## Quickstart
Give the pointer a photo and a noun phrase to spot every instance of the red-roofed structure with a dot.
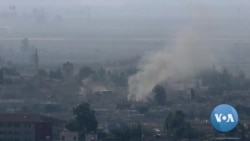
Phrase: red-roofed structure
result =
(29, 127)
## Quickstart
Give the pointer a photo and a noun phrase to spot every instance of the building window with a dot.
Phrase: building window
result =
(28, 125)
(3, 125)
(16, 133)
(17, 125)
(28, 132)
(9, 125)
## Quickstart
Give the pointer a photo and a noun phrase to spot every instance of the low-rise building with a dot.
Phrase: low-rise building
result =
(67, 135)
(9, 76)
(29, 127)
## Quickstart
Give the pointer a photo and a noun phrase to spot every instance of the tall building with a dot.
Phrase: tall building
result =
(68, 71)
(29, 127)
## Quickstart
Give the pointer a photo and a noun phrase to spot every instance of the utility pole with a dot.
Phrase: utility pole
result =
(36, 61)
(142, 135)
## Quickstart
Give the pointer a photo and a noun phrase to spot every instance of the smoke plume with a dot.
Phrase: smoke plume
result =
(184, 60)
(90, 86)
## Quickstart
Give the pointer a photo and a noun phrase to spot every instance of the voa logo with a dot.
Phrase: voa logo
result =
(224, 118)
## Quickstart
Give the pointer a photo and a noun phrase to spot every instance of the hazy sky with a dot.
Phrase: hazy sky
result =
(147, 21)
(116, 15)
(157, 4)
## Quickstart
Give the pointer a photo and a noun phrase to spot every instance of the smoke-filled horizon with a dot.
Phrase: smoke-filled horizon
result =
(187, 58)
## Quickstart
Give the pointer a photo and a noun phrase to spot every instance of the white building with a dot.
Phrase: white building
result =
(67, 135)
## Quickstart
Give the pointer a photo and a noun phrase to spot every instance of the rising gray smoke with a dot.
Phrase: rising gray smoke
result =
(90, 86)
(187, 58)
